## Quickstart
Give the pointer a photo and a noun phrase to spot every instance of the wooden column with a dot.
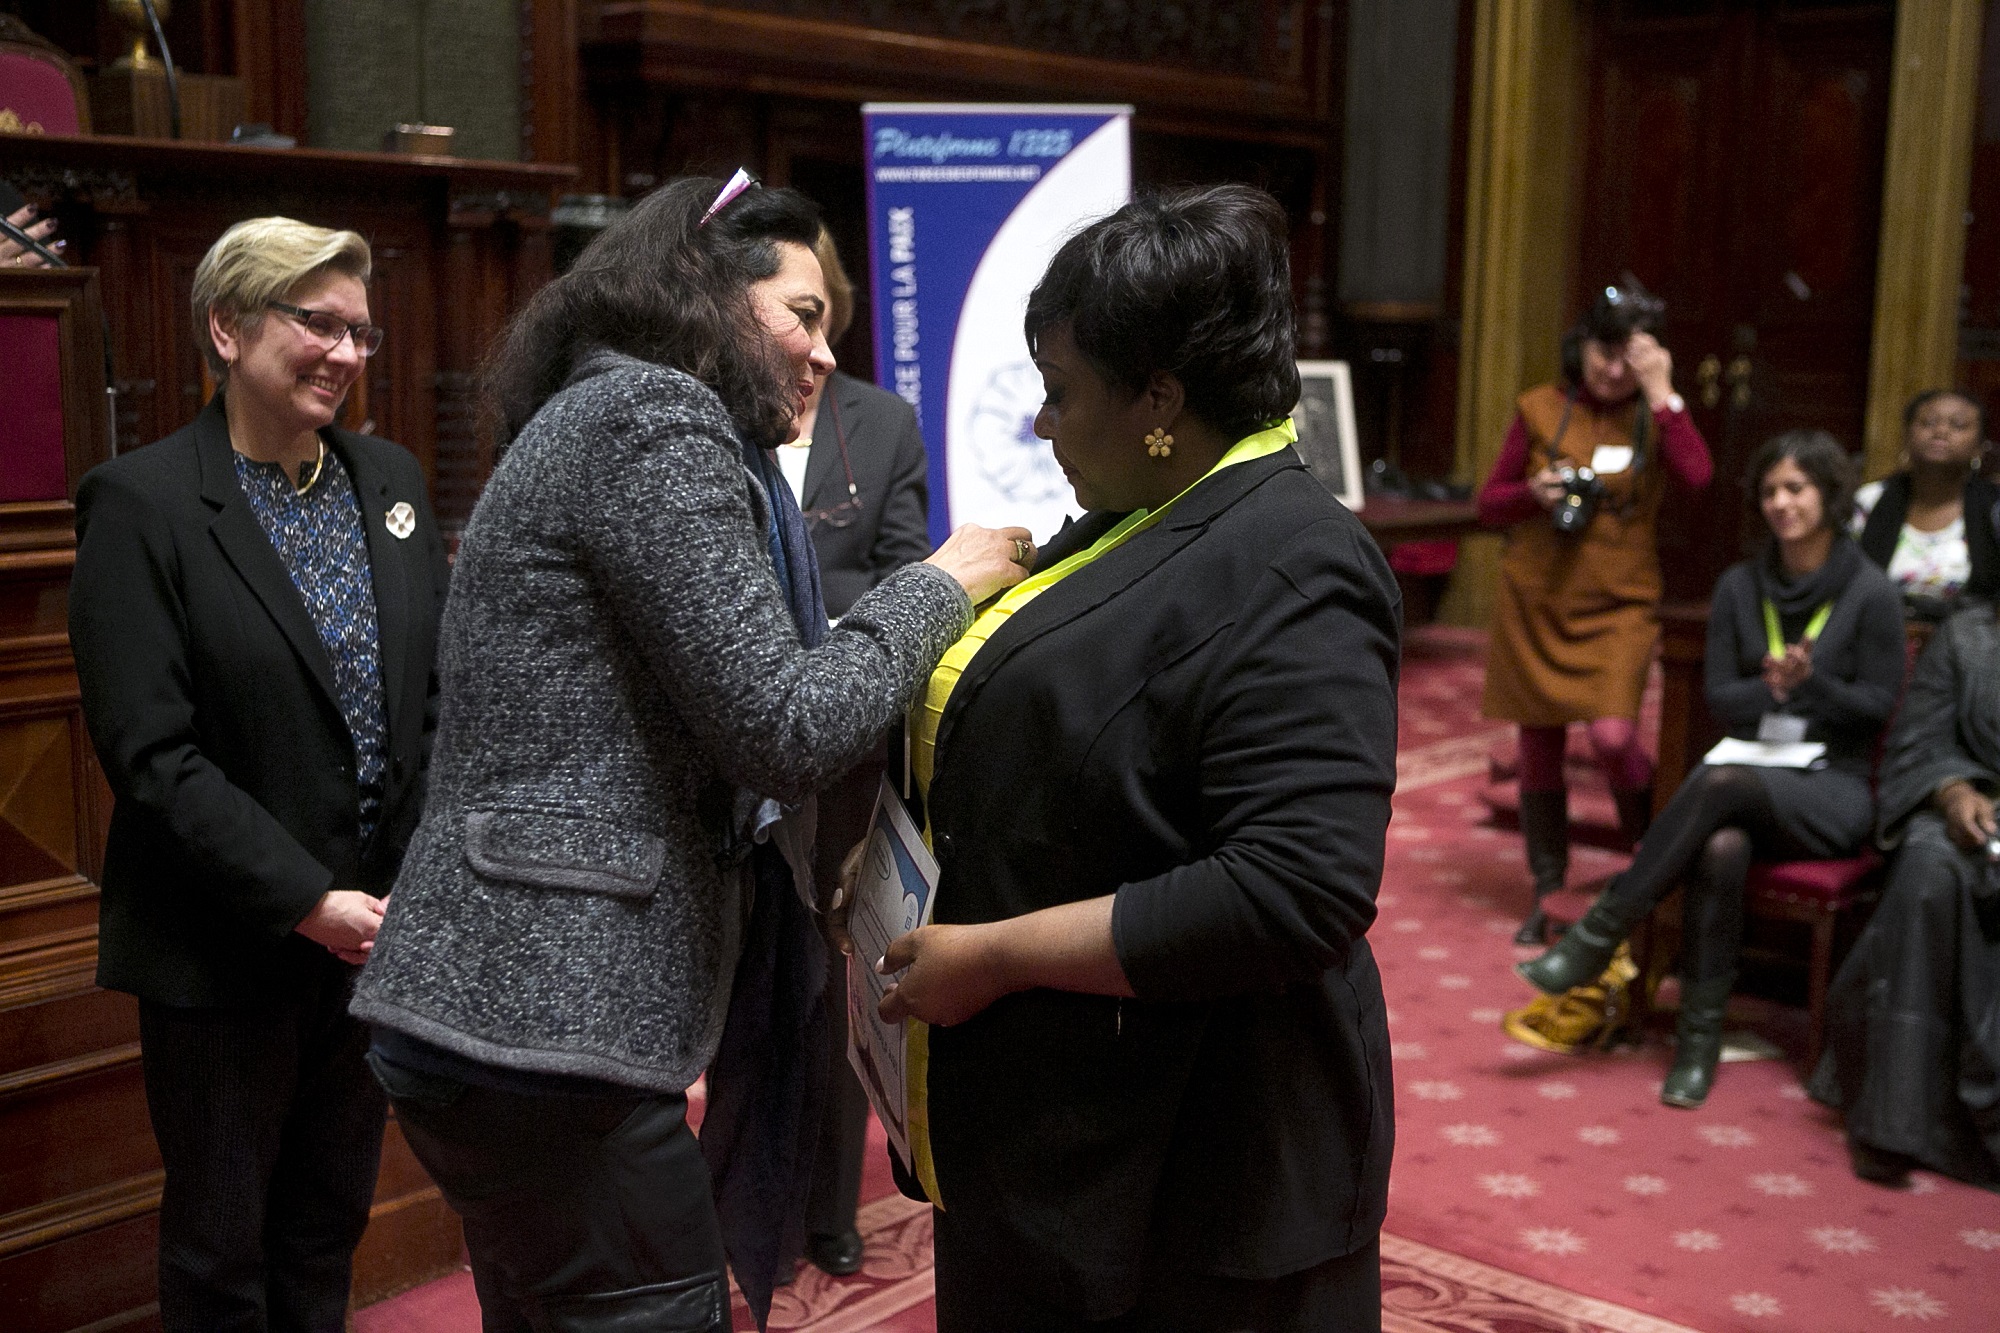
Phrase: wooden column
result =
(1519, 180)
(1932, 101)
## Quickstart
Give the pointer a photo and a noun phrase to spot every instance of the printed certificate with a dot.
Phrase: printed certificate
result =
(892, 897)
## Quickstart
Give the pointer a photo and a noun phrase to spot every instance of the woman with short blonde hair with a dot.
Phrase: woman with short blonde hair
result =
(254, 615)
(258, 261)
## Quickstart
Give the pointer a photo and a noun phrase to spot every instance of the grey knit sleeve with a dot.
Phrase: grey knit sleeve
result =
(669, 535)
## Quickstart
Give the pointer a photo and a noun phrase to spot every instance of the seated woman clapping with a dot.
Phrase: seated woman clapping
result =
(1913, 1029)
(1805, 642)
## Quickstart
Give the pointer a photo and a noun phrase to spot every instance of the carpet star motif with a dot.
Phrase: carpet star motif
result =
(1487, 1015)
(1501, 1185)
(1645, 1186)
(1437, 1091)
(1841, 1240)
(1515, 1051)
(1779, 1185)
(1434, 953)
(1452, 982)
(1727, 1136)
(1552, 1240)
(1556, 1092)
(1981, 1238)
(1409, 925)
(1699, 1242)
(1908, 1303)
(1922, 1184)
(1470, 1136)
(1407, 1050)
(1755, 1304)
(1600, 1136)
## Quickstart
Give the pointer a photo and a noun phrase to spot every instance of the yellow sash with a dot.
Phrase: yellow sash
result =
(924, 717)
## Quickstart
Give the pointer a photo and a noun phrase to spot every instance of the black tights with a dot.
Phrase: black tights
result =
(1704, 838)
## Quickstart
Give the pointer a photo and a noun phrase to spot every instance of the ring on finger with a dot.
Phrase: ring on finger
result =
(1023, 550)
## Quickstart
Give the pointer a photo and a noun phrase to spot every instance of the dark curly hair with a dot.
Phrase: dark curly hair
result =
(1821, 458)
(1195, 283)
(660, 287)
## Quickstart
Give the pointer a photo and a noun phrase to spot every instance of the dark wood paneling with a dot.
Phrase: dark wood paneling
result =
(270, 37)
(460, 246)
(1979, 318)
(1734, 165)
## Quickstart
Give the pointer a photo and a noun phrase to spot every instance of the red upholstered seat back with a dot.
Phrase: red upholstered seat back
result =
(36, 95)
(32, 465)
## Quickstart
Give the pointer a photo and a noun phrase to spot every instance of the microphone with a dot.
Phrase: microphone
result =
(167, 59)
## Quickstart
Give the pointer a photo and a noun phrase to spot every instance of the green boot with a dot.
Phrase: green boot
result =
(1697, 1042)
(1581, 954)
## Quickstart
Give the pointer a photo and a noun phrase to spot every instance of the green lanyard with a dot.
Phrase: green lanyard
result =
(1777, 639)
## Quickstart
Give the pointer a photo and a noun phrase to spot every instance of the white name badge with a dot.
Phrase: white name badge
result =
(1783, 728)
(1611, 458)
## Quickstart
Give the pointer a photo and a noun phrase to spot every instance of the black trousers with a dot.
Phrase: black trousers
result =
(582, 1214)
(978, 1291)
(844, 811)
(270, 1130)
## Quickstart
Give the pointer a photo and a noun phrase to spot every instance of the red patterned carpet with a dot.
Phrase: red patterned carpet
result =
(1533, 1193)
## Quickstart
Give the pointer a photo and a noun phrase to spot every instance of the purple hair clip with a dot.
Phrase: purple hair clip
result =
(735, 186)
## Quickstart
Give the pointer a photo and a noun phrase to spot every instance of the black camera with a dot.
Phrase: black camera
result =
(1582, 493)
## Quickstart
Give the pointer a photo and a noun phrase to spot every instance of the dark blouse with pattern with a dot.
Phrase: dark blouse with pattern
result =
(320, 537)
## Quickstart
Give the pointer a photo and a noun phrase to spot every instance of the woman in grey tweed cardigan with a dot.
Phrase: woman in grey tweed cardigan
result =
(628, 670)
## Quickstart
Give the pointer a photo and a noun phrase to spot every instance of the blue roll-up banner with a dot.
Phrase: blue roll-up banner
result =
(965, 206)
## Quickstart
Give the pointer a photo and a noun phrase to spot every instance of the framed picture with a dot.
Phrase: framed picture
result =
(1324, 419)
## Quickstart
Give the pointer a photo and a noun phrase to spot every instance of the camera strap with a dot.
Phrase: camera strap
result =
(1641, 415)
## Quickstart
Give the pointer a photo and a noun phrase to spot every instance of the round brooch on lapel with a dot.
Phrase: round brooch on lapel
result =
(401, 519)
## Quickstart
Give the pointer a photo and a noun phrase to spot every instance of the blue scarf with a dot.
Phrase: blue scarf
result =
(770, 1076)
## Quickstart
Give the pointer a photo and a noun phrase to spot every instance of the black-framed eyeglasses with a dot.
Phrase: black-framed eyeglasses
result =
(847, 511)
(329, 328)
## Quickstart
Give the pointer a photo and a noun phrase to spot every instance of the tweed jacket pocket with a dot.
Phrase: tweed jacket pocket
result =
(555, 851)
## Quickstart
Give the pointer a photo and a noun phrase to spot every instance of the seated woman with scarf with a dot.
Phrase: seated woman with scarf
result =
(1805, 643)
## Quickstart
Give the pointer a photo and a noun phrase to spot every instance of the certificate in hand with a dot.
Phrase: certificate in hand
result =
(891, 898)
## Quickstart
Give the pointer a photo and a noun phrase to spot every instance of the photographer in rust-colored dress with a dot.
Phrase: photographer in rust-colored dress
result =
(1159, 1096)
(859, 470)
(1578, 487)
(254, 615)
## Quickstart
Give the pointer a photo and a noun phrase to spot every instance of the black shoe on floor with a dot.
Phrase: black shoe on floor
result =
(1878, 1164)
(839, 1256)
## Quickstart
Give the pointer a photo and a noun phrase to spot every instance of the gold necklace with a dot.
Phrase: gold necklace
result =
(306, 483)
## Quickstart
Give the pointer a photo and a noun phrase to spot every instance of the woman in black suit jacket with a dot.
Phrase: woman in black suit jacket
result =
(1159, 1091)
(254, 614)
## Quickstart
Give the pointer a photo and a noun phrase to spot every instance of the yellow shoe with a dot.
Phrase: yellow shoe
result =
(1582, 1018)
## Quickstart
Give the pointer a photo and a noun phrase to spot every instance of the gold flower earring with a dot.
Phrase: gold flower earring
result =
(1159, 444)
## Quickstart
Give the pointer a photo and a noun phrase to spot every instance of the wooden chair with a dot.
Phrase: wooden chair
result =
(1831, 898)
(41, 89)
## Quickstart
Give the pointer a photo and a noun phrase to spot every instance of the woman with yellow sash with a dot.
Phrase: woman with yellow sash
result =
(1805, 649)
(1156, 777)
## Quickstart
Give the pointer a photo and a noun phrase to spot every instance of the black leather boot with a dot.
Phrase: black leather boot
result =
(1545, 829)
(1635, 811)
(1697, 1042)
(1581, 954)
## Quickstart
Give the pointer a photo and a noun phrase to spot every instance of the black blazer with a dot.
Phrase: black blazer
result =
(211, 703)
(860, 547)
(1203, 722)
